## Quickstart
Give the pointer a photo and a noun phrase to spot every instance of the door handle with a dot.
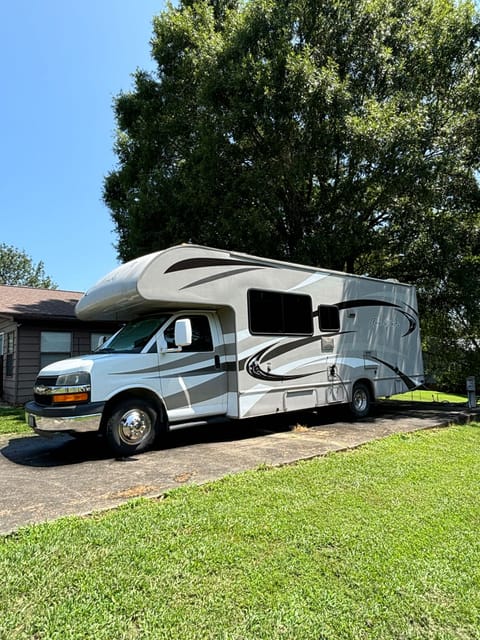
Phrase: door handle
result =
(217, 362)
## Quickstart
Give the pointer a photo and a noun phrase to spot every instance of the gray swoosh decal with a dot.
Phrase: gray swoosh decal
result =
(254, 368)
(219, 276)
(403, 376)
(201, 263)
(199, 393)
(412, 322)
(194, 372)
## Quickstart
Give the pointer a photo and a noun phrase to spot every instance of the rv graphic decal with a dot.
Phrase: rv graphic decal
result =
(203, 392)
(410, 384)
(202, 263)
(208, 370)
(253, 364)
(218, 276)
(254, 368)
(349, 304)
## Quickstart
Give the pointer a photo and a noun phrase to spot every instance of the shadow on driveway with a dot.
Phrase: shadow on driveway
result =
(63, 449)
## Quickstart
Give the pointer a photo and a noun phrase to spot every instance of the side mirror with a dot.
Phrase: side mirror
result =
(101, 341)
(183, 332)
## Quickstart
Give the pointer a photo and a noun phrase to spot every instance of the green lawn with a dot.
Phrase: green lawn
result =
(12, 421)
(423, 395)
(377, 543)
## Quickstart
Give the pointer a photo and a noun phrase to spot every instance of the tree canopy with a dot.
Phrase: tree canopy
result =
(341, 133)
(18, 269)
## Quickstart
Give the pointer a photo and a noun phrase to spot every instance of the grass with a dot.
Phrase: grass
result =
(424, 395)
(12, 421)
(377, 543)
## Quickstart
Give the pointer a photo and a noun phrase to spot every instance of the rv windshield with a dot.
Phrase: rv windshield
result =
(134, 336)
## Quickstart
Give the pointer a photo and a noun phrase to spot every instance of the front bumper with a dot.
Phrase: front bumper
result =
(47, 421)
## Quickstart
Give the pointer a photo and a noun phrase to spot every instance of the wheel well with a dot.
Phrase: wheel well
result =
(130, 394)
(369, 384)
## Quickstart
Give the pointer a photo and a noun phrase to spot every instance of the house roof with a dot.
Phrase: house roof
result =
(30, 303)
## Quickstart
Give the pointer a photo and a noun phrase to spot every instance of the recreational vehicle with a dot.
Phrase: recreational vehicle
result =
(213, 335)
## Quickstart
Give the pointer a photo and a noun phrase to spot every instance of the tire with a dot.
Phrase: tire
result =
(361, 400)
(131, 427)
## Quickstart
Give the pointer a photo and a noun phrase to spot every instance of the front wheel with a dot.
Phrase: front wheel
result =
(361, 400)
(131, 427)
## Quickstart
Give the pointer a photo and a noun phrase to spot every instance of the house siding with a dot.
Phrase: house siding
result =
(9, 382)
(24, 313)
(18, 388)
(28, 362)
(81, 342)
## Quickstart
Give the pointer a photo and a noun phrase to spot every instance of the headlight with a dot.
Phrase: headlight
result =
(79, 378)
(69, 388)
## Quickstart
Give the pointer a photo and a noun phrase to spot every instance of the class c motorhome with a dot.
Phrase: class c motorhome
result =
(212, 335)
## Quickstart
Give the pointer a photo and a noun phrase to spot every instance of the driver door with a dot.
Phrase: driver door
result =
(192, 380)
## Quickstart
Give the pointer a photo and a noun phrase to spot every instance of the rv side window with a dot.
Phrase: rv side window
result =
(274, 312)
(201, 334)
(328, 317)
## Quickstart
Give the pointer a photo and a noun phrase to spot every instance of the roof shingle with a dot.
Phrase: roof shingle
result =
(29, 302)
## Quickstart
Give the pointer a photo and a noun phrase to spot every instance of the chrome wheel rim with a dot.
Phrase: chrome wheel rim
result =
(134, 426)
(360, 400)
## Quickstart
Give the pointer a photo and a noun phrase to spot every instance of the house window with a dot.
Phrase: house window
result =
(10, 340)
(54, 345)
(328, 317)
(272, 312)
(97, 339)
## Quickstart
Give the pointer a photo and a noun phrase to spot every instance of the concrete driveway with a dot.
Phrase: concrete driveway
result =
(44, 479)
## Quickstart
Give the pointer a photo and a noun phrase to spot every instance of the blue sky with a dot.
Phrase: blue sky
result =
(61, 65)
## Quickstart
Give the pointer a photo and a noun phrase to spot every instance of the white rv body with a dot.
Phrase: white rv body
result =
(282, 337)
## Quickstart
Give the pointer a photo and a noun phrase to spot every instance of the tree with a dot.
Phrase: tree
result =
(300, 130)
(442, 257)
(18, 269)
(342, 133)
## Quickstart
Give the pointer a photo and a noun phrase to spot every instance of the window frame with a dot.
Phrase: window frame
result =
(49, 356)
(9, 354)
(328, 309)
(190, 348)
(285, 326)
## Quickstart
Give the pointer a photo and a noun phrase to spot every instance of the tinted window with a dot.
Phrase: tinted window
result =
(201, 334)
(329, 317)
(275, 312)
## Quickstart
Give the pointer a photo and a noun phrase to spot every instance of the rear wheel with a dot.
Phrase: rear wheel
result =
(361, 400)
(131, 427)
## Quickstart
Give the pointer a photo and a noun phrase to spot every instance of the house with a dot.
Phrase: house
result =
(39, 326)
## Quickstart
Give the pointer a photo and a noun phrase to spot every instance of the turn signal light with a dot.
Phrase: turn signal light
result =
(70, 397)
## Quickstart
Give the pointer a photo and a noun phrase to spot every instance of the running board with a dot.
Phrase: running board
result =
(202, 422)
